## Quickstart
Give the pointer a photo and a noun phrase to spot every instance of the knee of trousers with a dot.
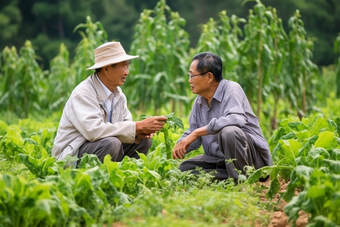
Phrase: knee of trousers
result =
(146, 143)
(187, 165)
(112, 146)
(183, 167)
(232, 133)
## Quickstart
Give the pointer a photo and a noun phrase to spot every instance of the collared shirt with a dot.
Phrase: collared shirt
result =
(85, 118)
(113, 98)
(228, 107)
(109, 94)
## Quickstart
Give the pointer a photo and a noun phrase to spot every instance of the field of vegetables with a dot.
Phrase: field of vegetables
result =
(151, 191)
(297, 103)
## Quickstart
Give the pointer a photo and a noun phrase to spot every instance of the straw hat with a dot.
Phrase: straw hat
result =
(108, 54)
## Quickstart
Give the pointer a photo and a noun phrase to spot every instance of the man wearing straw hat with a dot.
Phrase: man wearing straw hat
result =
(96, 119)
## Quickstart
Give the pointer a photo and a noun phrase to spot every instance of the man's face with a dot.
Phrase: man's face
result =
(198, 82)
(117, 74)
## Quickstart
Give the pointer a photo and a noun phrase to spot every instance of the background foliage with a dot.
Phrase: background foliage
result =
(274, 65)
(270, 53)
(47, 23)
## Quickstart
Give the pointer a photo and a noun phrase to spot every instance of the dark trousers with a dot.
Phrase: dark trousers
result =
(115, 148)
(234, 144)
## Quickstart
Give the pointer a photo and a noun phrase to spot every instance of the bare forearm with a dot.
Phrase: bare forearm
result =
(200, 132)
(180, 148)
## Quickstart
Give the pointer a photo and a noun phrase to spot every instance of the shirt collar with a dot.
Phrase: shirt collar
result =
(218, 95)
(219, 91)
(107, 91)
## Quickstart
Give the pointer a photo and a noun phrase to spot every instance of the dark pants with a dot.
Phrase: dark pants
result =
(234, 144)
(115, 148)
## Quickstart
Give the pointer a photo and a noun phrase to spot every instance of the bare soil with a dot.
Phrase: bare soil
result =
(278, 217)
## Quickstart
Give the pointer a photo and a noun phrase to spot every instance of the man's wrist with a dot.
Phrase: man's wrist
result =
(195, 134)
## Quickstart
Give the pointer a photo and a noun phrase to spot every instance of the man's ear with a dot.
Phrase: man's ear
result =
(211, 77)
(106, 69)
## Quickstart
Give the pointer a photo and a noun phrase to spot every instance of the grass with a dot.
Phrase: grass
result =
(216, 204)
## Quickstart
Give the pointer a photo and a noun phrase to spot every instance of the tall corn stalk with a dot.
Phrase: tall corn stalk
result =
(65, 75)
(23, 82)
(278, 74)
(209, 40)
(61, 80)
(261, 61)
(221, 38)
(301, 69)
(158, 76)
(337, 63)
(94, 36)
(256, 55)
(261, 58)
(8, 82)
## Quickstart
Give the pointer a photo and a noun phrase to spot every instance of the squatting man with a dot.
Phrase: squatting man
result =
(223, 122)
(96, 120)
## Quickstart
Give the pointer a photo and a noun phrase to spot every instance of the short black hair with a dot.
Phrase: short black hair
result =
(100, 69)
(209, 62)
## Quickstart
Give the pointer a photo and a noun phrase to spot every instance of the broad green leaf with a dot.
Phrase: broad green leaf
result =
(325, 140)
(89, 161)
(335, 154)
(316, 191)
(278, 152)
(297, 126)
(288, 136)
(290, 149)
(303, 135)
(333, 165)
(257, 174)
(44, 206)
(293, 208)
(316, 152)
(3, 128)
(274, 186)
(299, 176)
(306, 148)
(321, 220)
(319, 124)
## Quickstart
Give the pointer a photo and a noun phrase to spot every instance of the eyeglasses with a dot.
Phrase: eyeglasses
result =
(200, 74)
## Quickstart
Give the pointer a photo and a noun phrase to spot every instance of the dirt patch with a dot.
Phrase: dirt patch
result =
(278, 217)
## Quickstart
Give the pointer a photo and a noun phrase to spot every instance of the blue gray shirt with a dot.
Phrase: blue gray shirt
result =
(229, 106)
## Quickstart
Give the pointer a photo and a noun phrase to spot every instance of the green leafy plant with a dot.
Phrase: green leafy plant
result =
(305, 153)
(320, 196)
(171, 125)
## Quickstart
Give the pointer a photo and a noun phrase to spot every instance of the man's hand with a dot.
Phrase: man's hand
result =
(180, 148)
(142, 136)
(148, 127)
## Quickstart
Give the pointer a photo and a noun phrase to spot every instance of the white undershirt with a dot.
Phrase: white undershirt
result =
(109, 96)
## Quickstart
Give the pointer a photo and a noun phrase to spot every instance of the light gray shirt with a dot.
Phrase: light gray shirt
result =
(85, 118)
(228, 107)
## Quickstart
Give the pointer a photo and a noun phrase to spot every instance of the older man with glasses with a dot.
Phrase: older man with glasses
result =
(222, 121)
